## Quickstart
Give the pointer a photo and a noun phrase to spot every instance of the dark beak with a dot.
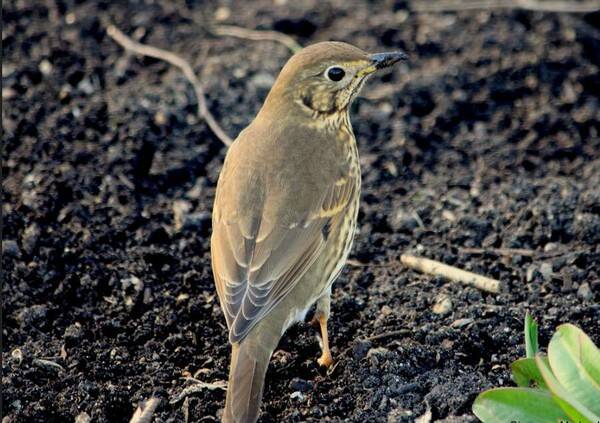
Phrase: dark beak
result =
(385, 60)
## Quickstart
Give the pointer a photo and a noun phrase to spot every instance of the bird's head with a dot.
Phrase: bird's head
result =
(324, 78)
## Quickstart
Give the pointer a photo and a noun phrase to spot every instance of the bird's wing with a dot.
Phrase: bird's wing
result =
(259, 249)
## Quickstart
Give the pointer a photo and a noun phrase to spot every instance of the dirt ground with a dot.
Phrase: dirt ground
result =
(487, 139)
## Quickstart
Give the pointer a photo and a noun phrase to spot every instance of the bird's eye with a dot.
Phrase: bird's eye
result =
(335, 73)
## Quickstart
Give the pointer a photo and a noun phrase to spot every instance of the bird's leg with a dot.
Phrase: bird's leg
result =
(320, 318)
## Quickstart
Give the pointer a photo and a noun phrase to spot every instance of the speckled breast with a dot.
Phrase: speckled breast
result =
(341, 238)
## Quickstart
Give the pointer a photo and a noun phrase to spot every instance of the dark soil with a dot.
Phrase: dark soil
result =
(488, 139)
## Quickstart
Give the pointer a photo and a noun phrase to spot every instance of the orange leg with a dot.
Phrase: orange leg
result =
(321, 317)
(326, 359)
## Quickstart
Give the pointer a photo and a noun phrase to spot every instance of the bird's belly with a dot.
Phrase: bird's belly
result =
(317, 281)
(336, 254)
(296, 315)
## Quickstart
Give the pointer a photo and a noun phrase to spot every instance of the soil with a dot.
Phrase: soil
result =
(488, 139)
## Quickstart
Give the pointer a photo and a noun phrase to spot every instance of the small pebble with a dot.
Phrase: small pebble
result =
(86, 86)
(298, 396)
(300, 385)
(8, 93)
(263, 80)
(546, 271)
(30, 238)
(402, 221)
(17, 405)
(160, 118)
(584, 292)
(196, 191)
(461, 323)
(17, 355)
(32, 315)
(197, 220)
(222, 13)
(73, 332)
(386, 310)
(360, 349)
(531, 272)
(134, 281)
(181, 298)
(83, 417)
(443, 305)
(240, 73)
(10, 248)
(45, 67)
(448, 215)
(180, 210)
(147, 296)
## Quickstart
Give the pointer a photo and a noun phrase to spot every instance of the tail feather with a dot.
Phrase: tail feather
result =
(249, 362)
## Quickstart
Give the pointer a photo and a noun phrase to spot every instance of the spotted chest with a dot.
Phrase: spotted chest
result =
(339, 243)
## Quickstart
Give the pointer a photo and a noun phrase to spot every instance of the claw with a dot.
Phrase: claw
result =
(326, 359)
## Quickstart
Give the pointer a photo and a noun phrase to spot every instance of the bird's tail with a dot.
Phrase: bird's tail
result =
(249, 362)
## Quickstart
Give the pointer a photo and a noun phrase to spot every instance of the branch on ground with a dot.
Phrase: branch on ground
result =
(554, 6)
(173, 59)
(257, 35)
(145, 411)
(436, 268)
(199, 386)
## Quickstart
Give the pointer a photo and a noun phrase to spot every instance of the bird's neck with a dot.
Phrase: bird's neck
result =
(290, 105)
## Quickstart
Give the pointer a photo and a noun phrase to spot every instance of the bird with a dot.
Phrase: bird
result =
(285, 211)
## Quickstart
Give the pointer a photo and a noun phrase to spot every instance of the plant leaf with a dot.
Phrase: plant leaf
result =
(526, 374)
(502, 405)
(531, 337)
(574, 409)
(574, 358)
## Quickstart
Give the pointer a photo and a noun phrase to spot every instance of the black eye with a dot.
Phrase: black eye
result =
(335, 73)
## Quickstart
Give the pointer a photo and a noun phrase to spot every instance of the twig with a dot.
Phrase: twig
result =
(145, 411)
(356, 263)
(500, 251)
(47, 364)
(556, 6)
(169, 57)
(199, 386)
(387, 335)
(257, 35)
(452, 273)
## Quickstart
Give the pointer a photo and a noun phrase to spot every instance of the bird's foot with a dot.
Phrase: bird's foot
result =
(326, 360)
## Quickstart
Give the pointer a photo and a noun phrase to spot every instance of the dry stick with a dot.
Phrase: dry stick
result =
(541, 6)
(256, 35)
(48, 364)
(145, 411)
(400, 332)
(452, 273)
(500, 251)
(169, 57)
(199, 386)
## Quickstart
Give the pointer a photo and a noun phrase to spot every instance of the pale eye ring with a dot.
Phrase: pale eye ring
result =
(335, 73)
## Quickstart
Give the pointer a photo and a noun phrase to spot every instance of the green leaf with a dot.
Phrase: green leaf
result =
(502, 405)
(574, 409)
(574, 359)
(526, 374)
(531, 337)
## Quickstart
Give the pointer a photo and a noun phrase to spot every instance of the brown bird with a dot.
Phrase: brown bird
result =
(285, 211)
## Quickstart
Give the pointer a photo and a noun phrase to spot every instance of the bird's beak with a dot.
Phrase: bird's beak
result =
(382, 60)
(385, 60)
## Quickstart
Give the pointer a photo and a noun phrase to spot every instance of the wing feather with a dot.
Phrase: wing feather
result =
(259, 250)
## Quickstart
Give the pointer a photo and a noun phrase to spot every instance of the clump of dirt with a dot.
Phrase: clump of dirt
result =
(487, 140)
